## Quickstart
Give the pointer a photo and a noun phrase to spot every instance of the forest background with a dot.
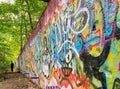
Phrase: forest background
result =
(18, 18)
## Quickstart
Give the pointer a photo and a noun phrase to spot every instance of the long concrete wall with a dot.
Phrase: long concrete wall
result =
(76, 45)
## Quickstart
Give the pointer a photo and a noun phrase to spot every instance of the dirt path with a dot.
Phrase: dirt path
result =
(16, 81)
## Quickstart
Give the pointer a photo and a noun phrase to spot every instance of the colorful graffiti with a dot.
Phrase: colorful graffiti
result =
(76, 45)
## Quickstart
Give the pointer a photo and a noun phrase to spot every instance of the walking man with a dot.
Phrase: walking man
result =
(12, 66)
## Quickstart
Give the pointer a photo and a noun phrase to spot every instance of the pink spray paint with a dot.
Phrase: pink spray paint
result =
(119, 67)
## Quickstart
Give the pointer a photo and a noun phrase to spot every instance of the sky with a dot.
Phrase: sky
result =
(11, 1)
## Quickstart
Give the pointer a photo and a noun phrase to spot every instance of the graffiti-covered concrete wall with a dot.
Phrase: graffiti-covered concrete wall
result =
(76, 45)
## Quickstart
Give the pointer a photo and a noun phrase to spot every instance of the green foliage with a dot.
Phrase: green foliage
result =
(15, 24)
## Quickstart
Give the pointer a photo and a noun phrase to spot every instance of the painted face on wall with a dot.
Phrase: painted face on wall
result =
(67, 69)
(45, 59)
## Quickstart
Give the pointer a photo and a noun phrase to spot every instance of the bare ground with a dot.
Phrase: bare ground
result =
(15, 81)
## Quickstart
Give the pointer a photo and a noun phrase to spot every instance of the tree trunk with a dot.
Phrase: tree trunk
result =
(29, 14)
(46, 0)
(21, 40)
